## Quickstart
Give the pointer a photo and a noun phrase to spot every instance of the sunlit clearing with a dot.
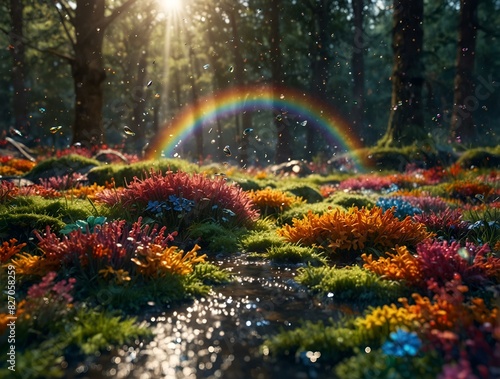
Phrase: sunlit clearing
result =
(171, 6)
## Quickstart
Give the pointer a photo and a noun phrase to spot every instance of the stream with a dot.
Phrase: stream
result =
(220, 335)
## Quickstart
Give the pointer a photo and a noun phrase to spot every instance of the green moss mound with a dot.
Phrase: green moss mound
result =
(21, 225)
(65, 165)
(347, 200)
(480, 158)
(123, 174)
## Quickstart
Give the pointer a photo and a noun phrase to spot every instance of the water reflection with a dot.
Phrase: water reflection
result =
(219, 336)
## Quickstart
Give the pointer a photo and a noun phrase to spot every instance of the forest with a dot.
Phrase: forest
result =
(260, 189)
(120, 73)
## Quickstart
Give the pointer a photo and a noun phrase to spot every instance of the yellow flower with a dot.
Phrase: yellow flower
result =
(27, 264)
(121, 276)
(154, 262)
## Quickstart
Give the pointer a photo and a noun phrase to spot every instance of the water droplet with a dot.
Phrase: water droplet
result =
(128, 131)
(157, 96)
(231, 69)
(463, 253)
(247, 131)
(279, 117)
(303, 123)
(41, 109)
(176, 155)
(15, 132)
(55, 129)
(210, 130)
(77, 144)
(149, 83)
(206, 66)
(227, 151)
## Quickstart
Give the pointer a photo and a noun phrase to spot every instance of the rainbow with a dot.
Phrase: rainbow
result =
(248, 98)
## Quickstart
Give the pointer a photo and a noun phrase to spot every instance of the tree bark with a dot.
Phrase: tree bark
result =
(406, 121)
(319, 67)
(88, 73)
(19, 99)
(464, 101)
(284, 138)
(239, 73)
(358, 66)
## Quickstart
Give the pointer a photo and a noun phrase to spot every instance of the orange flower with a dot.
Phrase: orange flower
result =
(9, 249)
(154, 261)
(27, 264)
(401, 265)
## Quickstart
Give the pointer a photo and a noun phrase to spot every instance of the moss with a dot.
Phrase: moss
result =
(308, 193)
(394, 158)
(480, 157)
(347, 200)
(123, 174)
(214, 237)
(65, 210)
(21, 225)
(260, 241)
(300, 211)
(290, 253)
(350, 284)
(65, 165)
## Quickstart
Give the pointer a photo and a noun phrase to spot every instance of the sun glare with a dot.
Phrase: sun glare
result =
(171, 6)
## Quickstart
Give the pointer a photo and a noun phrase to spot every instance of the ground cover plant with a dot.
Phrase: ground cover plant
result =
(412, 258)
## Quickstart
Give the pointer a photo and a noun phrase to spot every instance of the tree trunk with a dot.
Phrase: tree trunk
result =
(406, 121)
(464, 101)
(320, 68)
(88, 73)
(239, 73)
(358, 66)
(19, 99)
(284, 138)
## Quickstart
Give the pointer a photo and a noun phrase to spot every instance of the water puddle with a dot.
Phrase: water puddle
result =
(219, 336)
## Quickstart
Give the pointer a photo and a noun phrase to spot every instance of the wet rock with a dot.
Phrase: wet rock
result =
(294, 167)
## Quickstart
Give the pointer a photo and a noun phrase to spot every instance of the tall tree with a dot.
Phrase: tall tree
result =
(406, 120)
(358, 65)
(320, 63)
(464, 101)
(85, 25)
(17, 49)
(283, 144)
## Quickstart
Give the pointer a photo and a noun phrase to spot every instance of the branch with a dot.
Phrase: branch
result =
(25, 42)
(63, 21)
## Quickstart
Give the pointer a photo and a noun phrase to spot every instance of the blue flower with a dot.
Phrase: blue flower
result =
(402, 343)
(157, 207)
(402, 208)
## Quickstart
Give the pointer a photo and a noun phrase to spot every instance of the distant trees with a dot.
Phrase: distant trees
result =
(406, 120)
(464, 101)
(337, 51)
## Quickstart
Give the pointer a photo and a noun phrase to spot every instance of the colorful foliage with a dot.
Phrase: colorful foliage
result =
(354, 229)
(271, 201)
(211, 197)
(9, 249)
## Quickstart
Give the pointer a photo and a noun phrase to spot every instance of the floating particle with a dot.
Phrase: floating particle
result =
(157, 95)
(41, 109)
(231, 69)
(15, 132)
(463, 253)
(154, 62)
(149, 83)
(210, 130)
(279, 117)
(247, 131)
(128, 131)
(206, 66)
(55, 129)
(227, 151)
(212, 141)
(303, 123)
(479, 196)
(77, 144)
